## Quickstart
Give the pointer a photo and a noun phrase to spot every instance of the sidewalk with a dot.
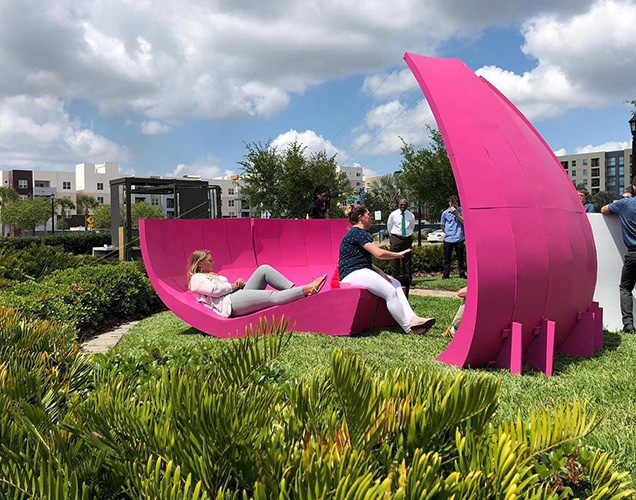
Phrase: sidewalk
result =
(432, 293)
(104, 342)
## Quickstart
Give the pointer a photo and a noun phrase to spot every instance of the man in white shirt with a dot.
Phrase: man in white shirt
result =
(400, 225)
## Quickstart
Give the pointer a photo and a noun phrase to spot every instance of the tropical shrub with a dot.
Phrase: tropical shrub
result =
(224, 430)
(36, 261)
(75, 243)
(86, 298)
(426, 259)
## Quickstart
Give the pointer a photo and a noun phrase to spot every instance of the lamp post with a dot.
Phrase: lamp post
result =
(632, 126)
(52, 214)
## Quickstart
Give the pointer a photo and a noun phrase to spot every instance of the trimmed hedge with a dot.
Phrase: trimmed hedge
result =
(36, 261)
(76, 243)
(426, 259)
(86, 298)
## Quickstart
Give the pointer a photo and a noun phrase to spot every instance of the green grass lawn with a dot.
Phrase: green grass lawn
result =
(606, 381)
(435, 282)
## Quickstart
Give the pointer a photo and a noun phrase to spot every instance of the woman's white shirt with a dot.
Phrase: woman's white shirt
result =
(213, 291)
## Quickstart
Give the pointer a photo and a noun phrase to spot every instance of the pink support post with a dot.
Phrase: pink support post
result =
(540, 354)
(511, 354)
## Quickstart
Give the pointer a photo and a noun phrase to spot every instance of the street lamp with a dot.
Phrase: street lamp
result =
(632, 126)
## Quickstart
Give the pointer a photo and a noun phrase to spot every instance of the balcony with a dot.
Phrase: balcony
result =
(44, 191)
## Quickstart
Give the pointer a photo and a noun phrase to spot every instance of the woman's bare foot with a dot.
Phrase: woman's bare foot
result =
(315, 286)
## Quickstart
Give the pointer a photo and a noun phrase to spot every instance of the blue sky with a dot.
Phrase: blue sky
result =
(170, 89)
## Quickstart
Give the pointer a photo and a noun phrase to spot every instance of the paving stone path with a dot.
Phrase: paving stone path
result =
(433, 293)
(104, 342)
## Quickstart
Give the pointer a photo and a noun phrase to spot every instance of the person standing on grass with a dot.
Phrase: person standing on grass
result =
(400, 225)
(625, 208)
(319, 207)
(453, 224)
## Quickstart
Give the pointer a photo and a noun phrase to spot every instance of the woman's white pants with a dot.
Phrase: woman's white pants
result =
(396, 302)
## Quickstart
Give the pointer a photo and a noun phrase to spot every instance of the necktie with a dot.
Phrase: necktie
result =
(403, 225)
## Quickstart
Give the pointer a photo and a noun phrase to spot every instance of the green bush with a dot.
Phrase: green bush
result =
(70, 430)
(35, 261)
(426, 259)
(76, 243)
(86, 298)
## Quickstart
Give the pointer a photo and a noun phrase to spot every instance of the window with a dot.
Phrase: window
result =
(100, 199)
(585, 172)
(232, 214)
(596, 172)
(357, 174)
(611, 182)
(594, 191)
(154, 200)
(596, 182)
(41, 184)
(170, 215)
(245, 214)
(584, 163)
(139, 199)
(573, 173)
(24, 197)
(357, 184)
(621, 160)
(170, 203)
(66, 197)
(100, 186)
(230, 190)
(611, 171)
(564, 164)
(230, 203)
(67, 212)
(574, 163)
(66, 185)
(23, 184)
(621, 171)
(596, 162)
(611, 161)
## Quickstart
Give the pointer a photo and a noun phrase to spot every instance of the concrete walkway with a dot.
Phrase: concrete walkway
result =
(104, 342)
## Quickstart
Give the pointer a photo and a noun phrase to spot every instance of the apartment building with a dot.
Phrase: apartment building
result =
(600, 171)
(355, 177)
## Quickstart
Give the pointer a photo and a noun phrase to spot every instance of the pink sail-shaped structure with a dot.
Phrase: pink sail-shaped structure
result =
(530, 251)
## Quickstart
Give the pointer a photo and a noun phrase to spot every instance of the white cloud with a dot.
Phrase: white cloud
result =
(207, 167)
(313, 142)
(154, 127)
(39, 132)
(608, 146)
(560, 152)
(384, 86)
(387, 123)
(584, 61)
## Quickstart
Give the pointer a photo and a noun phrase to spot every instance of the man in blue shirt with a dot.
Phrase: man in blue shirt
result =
(625, 208)
(453, 223)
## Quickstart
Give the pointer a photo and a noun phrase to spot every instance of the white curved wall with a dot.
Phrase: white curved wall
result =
(610, 250)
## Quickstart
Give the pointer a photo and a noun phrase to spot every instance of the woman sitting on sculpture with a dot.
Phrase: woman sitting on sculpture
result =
(241, 297)
(355, 266)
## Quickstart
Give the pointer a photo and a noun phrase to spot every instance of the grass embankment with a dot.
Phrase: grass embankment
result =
(435, 282)
(605, 382)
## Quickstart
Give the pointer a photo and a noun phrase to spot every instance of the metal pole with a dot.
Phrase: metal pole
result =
(633, 155)
(52, 214)
(419, 217)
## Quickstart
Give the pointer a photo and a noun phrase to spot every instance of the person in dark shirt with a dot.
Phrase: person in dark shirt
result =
(319, 208)
(355, 266)
(583, 196)
(625, 208)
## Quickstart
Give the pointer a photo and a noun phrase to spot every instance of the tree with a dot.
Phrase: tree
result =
(8, 195)
(143, 210)
(86, 202)
(601, 199)
(27, 214)
(427, 174)
(63, 204)
(101, 217)
(384, 193)
(282, 182)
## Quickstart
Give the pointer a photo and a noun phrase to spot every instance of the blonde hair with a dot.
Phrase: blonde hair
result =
(193, 262)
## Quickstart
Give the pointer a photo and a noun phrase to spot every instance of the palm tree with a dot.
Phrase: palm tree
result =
(86, 202)
(8, 195)
(64, 204)
(384, 193)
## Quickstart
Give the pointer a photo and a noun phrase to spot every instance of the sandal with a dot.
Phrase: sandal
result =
(316, 288)
(421, 329)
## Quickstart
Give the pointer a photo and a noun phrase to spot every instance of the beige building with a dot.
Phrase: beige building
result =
(355, 176)
(600, 171)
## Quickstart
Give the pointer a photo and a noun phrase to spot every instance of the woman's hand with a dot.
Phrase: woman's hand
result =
(238, 284)
(404, 252)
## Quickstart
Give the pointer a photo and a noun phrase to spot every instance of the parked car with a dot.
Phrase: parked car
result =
(382, 233)
(436, 236)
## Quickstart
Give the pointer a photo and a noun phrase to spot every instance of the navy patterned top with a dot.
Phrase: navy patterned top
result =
(352, 254)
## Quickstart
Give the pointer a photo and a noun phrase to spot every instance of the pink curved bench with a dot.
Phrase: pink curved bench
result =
(300, 249)
(530, 249)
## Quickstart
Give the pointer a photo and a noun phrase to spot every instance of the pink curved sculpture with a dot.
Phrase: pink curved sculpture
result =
(530, 250)
(300, 249)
